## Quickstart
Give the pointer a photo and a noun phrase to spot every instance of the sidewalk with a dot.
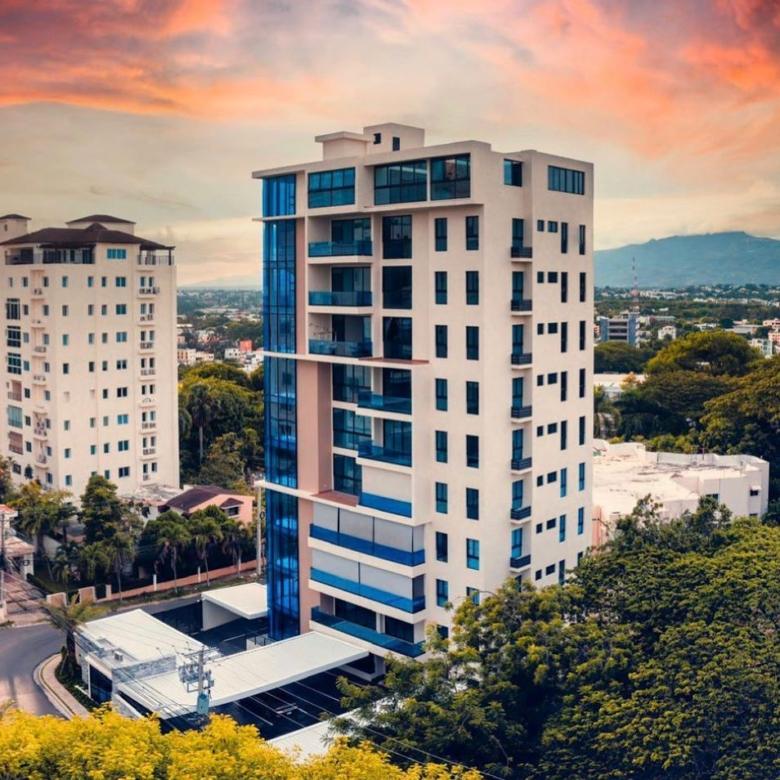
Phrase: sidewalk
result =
(56, 693)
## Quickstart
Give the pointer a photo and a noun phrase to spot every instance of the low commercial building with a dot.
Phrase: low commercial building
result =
(623, 328)
(625, 473)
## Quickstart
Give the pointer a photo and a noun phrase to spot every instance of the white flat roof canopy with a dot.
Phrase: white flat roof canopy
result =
(249, 673)
(249, 600)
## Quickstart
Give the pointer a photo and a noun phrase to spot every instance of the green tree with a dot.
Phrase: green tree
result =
(40, 512)
(94, 560)
(171, 536)
(66, 618)
(715, 352)
(618, 357)
(65, 564)
(224, 465)
(206, 530)
(256, 379)
(6, 481)
(216, 370)
(102, 511)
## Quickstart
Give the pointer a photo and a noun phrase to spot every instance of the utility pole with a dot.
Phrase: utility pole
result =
(196, 677)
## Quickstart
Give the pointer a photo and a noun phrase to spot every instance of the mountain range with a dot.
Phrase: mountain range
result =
(679, 261)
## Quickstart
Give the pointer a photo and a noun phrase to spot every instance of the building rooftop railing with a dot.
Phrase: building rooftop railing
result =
(409, 649)
(331, 298)
(371, 451)
(340, 348)
(340, 248)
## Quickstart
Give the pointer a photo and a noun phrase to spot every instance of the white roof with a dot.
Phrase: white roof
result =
(313, 740)
(138, 636)
(251, 672)
(249, 600)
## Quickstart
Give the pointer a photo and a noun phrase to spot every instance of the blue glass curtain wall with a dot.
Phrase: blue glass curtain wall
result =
(281, 442)
(279, 286)
(279, 196)
(283, 565)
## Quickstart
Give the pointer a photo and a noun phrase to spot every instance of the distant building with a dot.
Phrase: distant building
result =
(235, 505)
(625, 473)
(667, 332)
(623, 328)
(613, 384)
(189, 357)
(767, 347)
(245, 345)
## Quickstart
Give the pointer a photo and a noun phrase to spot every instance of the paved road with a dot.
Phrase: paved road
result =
(23, 648)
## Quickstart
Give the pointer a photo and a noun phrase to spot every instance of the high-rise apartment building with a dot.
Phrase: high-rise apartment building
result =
(89, 359)
(428, 377)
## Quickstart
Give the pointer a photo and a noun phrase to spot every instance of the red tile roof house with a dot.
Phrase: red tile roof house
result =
(235, 505)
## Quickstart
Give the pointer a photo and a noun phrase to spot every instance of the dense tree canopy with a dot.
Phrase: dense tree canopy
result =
(715, 352)
(106, 746)
(659, 658)
(618, 357)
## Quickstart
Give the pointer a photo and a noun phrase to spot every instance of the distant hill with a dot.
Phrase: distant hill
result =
(679, 261)
(227, 283)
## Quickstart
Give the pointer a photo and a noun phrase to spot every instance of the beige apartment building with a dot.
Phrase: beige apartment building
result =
(429, 384)
(89, 365)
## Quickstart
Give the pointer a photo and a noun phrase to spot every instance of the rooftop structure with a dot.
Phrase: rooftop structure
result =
(625, 473)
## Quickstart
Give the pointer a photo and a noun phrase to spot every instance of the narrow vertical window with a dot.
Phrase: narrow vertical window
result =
(472, 233)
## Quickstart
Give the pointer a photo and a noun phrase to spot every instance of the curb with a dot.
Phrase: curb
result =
(56, 693)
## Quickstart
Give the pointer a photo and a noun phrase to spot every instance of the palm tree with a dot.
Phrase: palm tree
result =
(232, 536)
(94, 558)
(66, 562)
(67, 617)
(172, 537)
(201, 410)
(117, 548)
(205, 531)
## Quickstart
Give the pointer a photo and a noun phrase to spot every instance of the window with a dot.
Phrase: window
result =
(442, 593)
(347, 475)
(350, 429)
(583, 287)
(564, 482)
(14, 363)
(564, 385)
(518, 233)
(583, 382)
(12, 309)
(562, 528)
(121, 308)
(561, 572)
(65, 310)
(121, 392)
(396, 143)
(564, 287)
(122, 419)
(581, 476)
(472, 233)
(348, 381)
(564, 336)
(513, 173)
(441, 497)
(121, 337)
(583, 334)
(66, 368)
(581, 520)
(472, 342)
(552, 226)
(397, 337)
(65, 278)
(472, 451)
(121, 281)
(516, 542)
(332, 188)
(472, 397)
(441, 446)
(123, 445)
(396, 286)
(540, 225)
(403, 182)
(564, 434)
(442, 545)
(451, 177)
(440, 234)
(582, 430)
(397, 237)
(377, 138)
(552, 327)
(13, 336)
(472, 503)
(440, 283)
(518, 340)
(124, 471)
(517, 447)
(564, 237)
(441, 341)
(517, 494)
(441, 395)
(472, 288)
(551, 523)
(116, 254)
(517, 392)
(582, 239)
(90, 281)
(565, 180)
(472, 554)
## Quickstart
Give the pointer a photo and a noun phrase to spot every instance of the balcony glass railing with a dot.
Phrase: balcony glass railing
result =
(521, 358)
(404, 603)
(405, 557)
(518, 250)
(521, 412)
(368, 449)
(384, 403)
(340, 348)
(397, 248)
(520, 304)
(328, 298)
(339, 248)
(409, 649)
(393, 506)
(520, 512)
(521, 464)
(520, 562)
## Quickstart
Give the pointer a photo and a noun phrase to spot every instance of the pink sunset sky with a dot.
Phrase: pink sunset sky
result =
(158, 110)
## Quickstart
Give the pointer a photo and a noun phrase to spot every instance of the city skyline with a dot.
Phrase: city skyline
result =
(150, 110)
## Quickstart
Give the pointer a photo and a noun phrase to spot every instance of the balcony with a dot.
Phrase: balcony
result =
(14, 395)
(397, 249)
(371, 451)
(145, 317)
(148, 371)
(148, 399)
(519, 252)
(147, 345)
(340, 248)
(37, 323)
(521, 412)
(148, 290)
(393, 506)
(148, 451)
(520, 512)
(340, 348)
(521, 464)
(37, 292)
(521, 358)
(520, 305)
(41, 459)
(352, 298)
(404, 557)
(384, 403)
(404, 603)
(400, 646)
(150, 258)
(40, 349)
(520, 563)
(149, 425)
(40, 432)
(39, 379)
